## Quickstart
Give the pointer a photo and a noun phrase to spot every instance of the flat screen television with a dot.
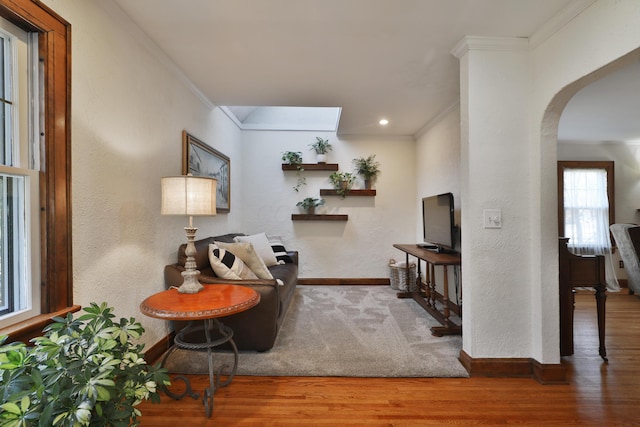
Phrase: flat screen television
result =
(438, 226)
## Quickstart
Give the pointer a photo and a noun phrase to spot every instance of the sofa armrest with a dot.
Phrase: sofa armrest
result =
(294, 256)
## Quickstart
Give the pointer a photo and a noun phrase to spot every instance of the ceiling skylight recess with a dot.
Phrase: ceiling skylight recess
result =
(284, 118)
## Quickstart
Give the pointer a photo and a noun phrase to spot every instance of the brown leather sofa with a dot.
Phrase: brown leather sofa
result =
(257, 328)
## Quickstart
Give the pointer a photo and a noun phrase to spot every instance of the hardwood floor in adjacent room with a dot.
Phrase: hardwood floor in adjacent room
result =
(598, 394)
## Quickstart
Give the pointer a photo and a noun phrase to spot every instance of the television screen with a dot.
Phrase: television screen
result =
(437, 221)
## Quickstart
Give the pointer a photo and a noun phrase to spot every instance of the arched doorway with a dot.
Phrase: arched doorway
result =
(550, 125)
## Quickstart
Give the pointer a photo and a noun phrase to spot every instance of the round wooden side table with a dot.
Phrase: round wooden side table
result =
(208, 305)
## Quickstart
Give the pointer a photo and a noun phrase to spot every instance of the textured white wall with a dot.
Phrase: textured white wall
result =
(438, 162)
(495, 260)
(128, 113)
(438, 171)
(358, 248)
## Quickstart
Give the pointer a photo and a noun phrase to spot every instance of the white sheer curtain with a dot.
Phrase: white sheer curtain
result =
(586, 216)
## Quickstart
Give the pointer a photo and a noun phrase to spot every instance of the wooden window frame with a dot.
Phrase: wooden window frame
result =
(609, 166)
(54, 39)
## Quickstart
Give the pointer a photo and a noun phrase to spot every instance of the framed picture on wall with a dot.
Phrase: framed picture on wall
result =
(199, 159)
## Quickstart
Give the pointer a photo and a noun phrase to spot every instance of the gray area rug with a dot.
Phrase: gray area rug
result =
(345, 331)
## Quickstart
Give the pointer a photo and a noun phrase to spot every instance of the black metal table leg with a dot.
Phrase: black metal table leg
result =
(226, 335)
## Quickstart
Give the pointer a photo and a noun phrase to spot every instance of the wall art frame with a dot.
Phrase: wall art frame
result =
(200, 159)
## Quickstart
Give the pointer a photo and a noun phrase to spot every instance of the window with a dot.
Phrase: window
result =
(586, 204)
(44, 164)
(7, 94)
(14, 278)
(19, 189)
(586, 209)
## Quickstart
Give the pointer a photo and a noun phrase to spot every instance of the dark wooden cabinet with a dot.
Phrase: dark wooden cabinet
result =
(580, 271)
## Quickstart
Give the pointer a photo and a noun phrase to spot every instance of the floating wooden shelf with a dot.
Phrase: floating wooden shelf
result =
(314, 217)
(311, 167)
(327, 192)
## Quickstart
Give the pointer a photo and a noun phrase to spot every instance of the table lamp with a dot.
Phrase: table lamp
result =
(189, 195)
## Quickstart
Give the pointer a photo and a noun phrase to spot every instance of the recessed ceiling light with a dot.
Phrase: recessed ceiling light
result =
(384, 122)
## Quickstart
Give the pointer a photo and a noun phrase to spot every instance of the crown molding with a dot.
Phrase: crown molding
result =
(548, 29)
(232, 117)
(437, 119)
(558, 21)
(490, 43)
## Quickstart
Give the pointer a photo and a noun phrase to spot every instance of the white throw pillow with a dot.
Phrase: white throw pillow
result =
(228, 266)
(280, 252)
(247, 253)
(261, 245)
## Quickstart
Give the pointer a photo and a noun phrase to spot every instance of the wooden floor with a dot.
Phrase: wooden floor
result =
(598, 394)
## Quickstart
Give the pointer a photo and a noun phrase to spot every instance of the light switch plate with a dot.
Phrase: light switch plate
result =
(492, 218)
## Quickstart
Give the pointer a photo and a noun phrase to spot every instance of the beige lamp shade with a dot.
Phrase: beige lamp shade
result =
(188, 195)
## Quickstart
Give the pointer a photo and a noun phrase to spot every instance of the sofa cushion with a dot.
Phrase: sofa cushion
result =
(279, 250)
(228, 266)
(261, 245)
(227, 238)
(246, 252)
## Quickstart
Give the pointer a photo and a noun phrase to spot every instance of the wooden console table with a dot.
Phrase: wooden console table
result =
(426, 296)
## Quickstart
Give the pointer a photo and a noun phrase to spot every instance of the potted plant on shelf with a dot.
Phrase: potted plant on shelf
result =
(81, 372)
(295, 158)
(309, 204)
(342, 182)
(321, 147)
(292, 157)
(368, 168)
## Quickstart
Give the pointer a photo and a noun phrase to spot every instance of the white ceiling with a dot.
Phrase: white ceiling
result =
(372, 58)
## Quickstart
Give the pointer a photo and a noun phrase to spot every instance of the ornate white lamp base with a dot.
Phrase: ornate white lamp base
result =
(190, 285)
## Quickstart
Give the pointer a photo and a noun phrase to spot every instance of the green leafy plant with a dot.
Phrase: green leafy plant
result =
(82, 372)
(292, 157)
(342, 182)
(321, 146)
(310, 203)
(295, 158)
(368, 168)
